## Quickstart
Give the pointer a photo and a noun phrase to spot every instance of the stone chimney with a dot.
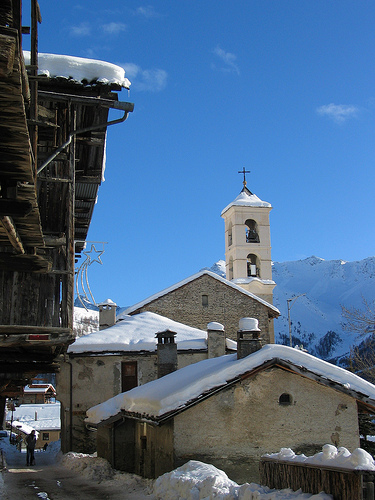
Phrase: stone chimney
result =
(215, 340)
(107, 314)
(248, 337)
(166, 353)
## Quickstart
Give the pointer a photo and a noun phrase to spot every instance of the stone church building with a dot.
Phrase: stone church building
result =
(248, 289)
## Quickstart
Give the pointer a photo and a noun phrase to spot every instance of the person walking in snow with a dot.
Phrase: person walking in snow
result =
(30, 447)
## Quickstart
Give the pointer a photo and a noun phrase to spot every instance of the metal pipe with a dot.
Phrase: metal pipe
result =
(80, 131)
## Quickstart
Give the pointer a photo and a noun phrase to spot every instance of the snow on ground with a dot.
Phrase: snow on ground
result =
(193, 481)
(196, 480)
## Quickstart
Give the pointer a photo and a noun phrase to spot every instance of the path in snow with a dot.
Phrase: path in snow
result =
(55, 482)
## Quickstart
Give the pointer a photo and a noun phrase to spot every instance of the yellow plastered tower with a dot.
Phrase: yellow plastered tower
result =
(248, 244)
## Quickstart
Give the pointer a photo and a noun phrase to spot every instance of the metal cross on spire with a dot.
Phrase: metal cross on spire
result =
(244, 172)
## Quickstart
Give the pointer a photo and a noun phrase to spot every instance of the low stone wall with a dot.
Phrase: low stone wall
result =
(342, 484)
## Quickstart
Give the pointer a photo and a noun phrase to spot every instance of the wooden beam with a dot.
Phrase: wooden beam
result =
(13, 236)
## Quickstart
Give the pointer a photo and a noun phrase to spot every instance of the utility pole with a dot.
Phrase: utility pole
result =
(290, 302)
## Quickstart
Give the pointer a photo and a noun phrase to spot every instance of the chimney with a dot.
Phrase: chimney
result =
(215, 340)
(107, 314)
(248, 340)
(166, 352)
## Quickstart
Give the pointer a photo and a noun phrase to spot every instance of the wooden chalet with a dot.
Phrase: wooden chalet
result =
(52, 142)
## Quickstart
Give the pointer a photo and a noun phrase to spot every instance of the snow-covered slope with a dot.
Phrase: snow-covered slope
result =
(327, 286)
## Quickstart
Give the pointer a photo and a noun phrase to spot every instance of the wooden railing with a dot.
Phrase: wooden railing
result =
(342, 484)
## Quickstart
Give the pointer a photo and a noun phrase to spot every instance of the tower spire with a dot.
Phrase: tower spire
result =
(244, 172)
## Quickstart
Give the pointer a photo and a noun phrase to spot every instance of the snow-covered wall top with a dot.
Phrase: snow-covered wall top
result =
(175, 390)
(247, 200)
(79, 69)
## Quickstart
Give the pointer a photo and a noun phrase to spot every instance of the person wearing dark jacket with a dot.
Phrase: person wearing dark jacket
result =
(30, 448)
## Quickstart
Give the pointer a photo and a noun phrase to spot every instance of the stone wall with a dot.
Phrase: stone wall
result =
(239, 424)
(94, 380)
(225, 305)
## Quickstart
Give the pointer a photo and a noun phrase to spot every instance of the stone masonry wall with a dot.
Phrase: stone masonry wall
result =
(240, 424)
(225, 305)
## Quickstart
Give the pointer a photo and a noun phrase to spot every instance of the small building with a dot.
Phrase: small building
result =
(105, 363)
(43, 418)
(229, 412)
(38, 394)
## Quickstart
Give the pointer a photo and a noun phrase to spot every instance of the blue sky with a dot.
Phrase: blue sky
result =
(284, 88)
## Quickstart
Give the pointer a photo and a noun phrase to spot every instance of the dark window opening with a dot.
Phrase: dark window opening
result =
(285, 399)
(230, 241)
(45, 436)
(129, 378)
(204, 300)
(252, 235)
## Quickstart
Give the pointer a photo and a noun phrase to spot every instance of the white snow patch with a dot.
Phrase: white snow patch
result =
(247, 200)
(196, 480)
(330, 456)
(79, 69)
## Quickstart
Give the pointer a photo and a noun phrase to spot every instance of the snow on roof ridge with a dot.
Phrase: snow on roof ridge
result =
(247, 200)
(176, 390)
(79, 69)
(188, 280)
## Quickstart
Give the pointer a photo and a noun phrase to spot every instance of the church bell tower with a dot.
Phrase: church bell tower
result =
(248, 243)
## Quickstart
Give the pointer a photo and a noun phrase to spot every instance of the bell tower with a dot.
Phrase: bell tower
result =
(248, 243)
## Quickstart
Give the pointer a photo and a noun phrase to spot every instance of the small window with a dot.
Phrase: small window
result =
(45, 436)
(204, 300)
(285, 399)
(129, 375)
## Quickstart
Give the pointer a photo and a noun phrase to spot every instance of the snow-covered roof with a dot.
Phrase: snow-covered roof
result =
(39, 388)
(192, 278)
(176, 390)
(39, 417)
(247, 199)
(137, 333)
(79, 69)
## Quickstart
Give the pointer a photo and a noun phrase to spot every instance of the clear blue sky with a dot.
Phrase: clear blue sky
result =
(285, 88)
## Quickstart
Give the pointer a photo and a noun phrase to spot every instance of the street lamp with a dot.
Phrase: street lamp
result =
(290, 302)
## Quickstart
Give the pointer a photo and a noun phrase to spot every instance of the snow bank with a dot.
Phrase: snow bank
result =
(79, 69)
(330, 456)
(89, 466)
(196, 480)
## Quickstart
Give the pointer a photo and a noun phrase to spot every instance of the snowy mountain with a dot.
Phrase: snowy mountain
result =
(326, 285)
(323, 287)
